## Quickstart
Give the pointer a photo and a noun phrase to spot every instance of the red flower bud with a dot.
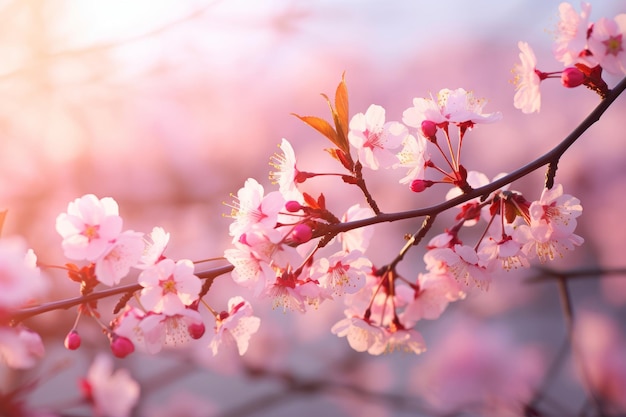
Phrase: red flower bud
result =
(293, 206)
(72, 340)
(302, 233)
(429, 129)
(417, 186)
(196, 330)
(572, 77)
(121, 346)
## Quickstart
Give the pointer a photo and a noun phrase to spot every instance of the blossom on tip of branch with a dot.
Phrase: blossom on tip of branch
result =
(374, 139)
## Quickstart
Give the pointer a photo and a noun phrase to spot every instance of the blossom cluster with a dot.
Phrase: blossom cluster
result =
(584, 47)
(285, 246)
(168, 303)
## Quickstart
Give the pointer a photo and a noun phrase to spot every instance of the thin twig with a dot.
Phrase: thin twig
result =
(568, 314)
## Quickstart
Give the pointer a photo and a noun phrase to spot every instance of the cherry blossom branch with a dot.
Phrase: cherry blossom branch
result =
(26, 313)
(414, 240)
(549, 158)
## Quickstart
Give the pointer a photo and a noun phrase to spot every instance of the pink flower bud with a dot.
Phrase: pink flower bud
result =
(121, 346)
(572, 77)
(293, 206)
(72, 340)
(196, 330)
(417, 186)
(429, 129)
(302, 233)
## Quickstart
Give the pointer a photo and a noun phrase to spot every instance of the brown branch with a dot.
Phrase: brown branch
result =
(25, 313)
(547, 274)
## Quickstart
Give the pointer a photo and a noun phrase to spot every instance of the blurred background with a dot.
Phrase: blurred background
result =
(169, 107)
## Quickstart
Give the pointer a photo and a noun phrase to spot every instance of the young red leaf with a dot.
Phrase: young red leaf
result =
(321, 126)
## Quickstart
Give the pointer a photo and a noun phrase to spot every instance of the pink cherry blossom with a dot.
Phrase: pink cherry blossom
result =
(342, 273)
(286, 175)
(413, 156)
(22, 281)
(124, 252)
(423, 109)
(252, 207)
(527, 80)
(460, 106)
(172, 330)
(20, 347)
(406, 340)
(112, 394)
(362, 336)
(234, 328)
(250, 271)
(356, 239)
(312, 293)
(607, 44)
(552, 224)
(156, 242)
(451, 106)
(375, 139)
(460, 261)
(431, 297)
(555, 213)
(506, 252)
(169, 287)
(571, 34)
(546, 246)
(286, 292)
(88, 227)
